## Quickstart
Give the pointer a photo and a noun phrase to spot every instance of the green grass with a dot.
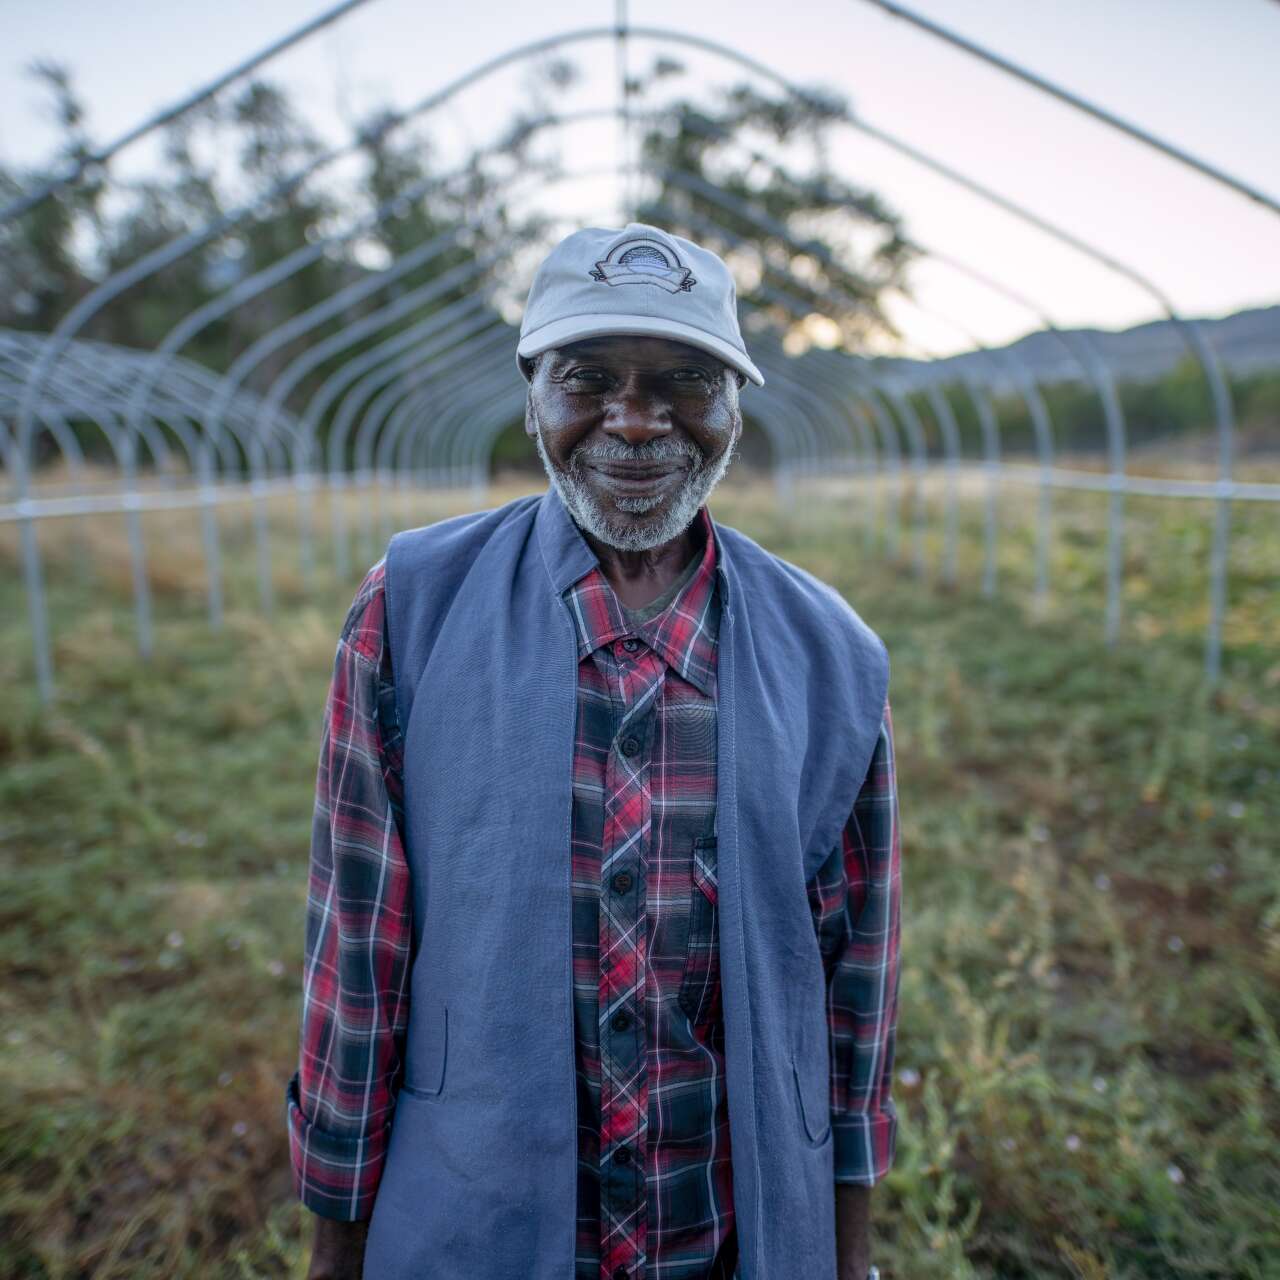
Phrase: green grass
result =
(1089, 1044)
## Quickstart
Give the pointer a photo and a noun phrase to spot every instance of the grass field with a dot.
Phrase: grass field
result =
(1089, 1046)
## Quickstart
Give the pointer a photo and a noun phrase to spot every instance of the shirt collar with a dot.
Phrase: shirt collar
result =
(683, 634)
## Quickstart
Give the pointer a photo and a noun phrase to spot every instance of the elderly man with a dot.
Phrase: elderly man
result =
(602, 940)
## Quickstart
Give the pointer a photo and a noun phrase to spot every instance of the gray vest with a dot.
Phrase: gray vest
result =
(479, 1182)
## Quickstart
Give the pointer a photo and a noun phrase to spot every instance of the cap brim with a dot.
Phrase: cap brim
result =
(560, 333)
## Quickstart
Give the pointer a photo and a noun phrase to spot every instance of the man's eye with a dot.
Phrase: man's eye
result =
(690, 375)
(586, 375)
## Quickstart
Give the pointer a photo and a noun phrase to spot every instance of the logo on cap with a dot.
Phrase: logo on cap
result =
(644, 261)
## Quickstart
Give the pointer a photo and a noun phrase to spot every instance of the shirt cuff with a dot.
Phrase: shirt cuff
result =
(864, 1145)
(334, 1175)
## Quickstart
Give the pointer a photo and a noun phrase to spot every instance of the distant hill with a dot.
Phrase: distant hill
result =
(1247, 342)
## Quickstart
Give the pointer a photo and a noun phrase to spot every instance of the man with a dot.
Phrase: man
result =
(602, 942)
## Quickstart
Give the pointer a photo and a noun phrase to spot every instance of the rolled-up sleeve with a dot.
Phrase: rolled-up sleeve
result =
(355, 1003)
(856, 898)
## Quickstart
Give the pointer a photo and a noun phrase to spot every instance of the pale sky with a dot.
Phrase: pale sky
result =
(1200, 73)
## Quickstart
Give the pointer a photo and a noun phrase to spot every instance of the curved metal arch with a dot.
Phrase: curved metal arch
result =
(1095, 370)
(771, 417)
(271, 342)
(1199, 346)
(125, 279)
(289, 265)
(476, 444)
(317, 314)
(750, 213)
(572, 176)
(784, 413)
(1191, 332)
(65, 438)
(90, 379)
(859, 418)
(900, 403)
(178, 247)
(392, 399)
(121, 443)
(990, 431)
(267, 278)
(1078, 103)
(384, 377)
(100, 155)
(102, 373)
(949, 433)
(80, 388)
(677, 37)
(327, 309)
(820, 408)
(1084, 351)
(469, 374)
(471, 451)
(367, 374)
(352, 405)
(906, 412)
(834, 436)
(989, 426)
(347, 337)
(410, 410)
(369, 457)
(886, 430)
(200, 463)
(988, 419)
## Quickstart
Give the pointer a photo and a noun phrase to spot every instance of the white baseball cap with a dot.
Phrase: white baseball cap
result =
(640, 280)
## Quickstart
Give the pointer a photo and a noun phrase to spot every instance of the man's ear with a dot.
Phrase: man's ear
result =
(529, 365)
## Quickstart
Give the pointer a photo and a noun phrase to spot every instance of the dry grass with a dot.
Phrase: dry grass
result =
(1089, 1060)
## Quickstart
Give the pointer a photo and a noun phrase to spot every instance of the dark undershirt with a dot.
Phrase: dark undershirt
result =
(655, 606)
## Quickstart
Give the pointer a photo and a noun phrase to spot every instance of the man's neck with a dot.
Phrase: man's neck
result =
(640, 576)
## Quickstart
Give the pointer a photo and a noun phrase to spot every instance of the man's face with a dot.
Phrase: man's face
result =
(634, 433)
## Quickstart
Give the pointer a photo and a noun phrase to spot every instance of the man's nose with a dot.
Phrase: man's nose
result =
(636, 415)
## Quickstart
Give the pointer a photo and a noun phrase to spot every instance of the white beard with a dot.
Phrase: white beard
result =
(700, 479)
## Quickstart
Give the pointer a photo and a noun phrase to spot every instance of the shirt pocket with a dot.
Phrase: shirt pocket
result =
(699, 996)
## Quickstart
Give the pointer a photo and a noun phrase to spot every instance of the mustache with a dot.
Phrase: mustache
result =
(659, 449)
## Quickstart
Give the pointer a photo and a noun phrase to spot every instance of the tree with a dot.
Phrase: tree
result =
(795, 233)
(41, 273)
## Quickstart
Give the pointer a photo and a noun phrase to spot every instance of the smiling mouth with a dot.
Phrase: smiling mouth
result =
(635, 470)
(637, 474)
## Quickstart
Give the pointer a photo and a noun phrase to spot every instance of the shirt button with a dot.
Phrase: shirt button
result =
(621, 1020)
(622, 1156)
(621, 881)
(631, 645)
(620, 1273)
(630, 746)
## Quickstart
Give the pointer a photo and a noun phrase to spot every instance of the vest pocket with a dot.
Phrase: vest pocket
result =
(700, 983)
(424, 1073)
(816, 1116)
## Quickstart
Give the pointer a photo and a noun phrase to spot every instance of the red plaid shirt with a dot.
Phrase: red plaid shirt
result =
(655, 1194)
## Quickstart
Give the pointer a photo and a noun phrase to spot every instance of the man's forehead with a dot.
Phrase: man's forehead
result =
(624, 347)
